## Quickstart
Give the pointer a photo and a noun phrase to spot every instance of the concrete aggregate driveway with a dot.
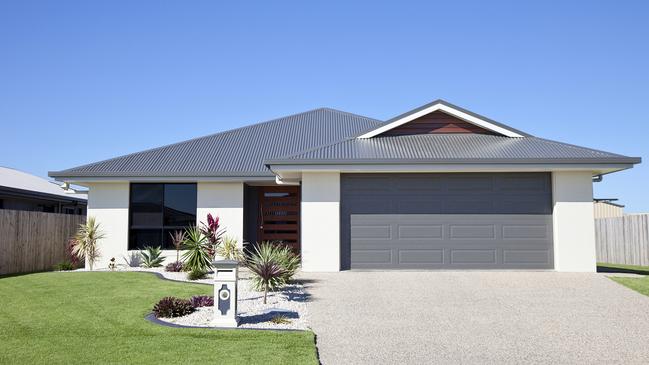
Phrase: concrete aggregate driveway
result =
(476, 318)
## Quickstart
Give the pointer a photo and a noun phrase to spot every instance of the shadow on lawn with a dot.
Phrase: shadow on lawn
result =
(614, 269)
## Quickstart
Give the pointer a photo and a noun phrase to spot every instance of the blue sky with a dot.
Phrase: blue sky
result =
(83, 81)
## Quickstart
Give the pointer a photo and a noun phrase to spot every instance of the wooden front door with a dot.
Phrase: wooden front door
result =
(279, 215)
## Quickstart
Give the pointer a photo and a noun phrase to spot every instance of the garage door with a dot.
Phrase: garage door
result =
(446, 221)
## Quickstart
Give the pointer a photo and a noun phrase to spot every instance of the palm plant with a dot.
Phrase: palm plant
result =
(177, 239)
(229, 250)
(151, 257)
(196, 256)
(85, 241)
(267, 272)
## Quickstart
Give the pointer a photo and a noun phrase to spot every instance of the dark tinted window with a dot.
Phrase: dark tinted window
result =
(179, 205)
(157, 209)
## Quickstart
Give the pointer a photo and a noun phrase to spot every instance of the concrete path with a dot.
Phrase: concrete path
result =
(476, 318)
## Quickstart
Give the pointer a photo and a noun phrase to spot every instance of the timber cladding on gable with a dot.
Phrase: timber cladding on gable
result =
(437, 122)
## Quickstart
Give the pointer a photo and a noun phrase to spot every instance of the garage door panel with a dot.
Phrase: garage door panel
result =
(418, 257)
(439, 226)
(522, 257)
(372, 258)
(473, 256)
(429, 231)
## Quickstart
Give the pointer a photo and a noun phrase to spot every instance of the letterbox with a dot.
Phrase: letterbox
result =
(225, 293)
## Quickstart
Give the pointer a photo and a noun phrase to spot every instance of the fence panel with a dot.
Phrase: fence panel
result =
(34, 241)
(623, 240)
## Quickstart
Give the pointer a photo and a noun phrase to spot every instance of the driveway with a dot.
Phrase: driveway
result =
(476, 317)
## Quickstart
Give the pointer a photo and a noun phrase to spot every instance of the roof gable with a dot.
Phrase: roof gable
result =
(436, 106)
(437, 122)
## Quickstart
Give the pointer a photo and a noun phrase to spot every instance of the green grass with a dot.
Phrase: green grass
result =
(621, 268)
(641, 285)
(98, 318)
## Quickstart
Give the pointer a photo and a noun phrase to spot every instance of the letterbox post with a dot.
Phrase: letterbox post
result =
(225, 293)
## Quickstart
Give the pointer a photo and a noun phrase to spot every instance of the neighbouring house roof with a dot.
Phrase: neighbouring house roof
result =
(238, 152)
(328, 136)
(16, 180)
(451, 148)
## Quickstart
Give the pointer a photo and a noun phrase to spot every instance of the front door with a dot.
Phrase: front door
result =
(279, 215)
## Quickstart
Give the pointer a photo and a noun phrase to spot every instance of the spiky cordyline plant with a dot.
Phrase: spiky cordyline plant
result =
(85, 241)
(177, 239)
(196, 256)
(279, 253)
(213, 232)
(268, 274)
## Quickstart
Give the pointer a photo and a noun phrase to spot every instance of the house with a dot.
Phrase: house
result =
(22, 191)
(607, 208)
(438, 187)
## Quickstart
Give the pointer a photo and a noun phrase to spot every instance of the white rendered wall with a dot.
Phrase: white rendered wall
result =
(574, 225)
(320, 221)
(108, 203)
(225, 200)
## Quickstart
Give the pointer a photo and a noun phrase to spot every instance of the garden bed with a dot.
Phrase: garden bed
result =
(289, 302)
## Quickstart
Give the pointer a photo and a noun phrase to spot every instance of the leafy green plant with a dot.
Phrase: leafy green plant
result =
(196, 256)
(229, 249)
(196, 274)
(169, 307)
(85, 241)
(280, 319)
(151, 257)
(64, 266)
(177, 239)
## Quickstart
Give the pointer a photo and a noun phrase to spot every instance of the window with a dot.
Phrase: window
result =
(158, 209)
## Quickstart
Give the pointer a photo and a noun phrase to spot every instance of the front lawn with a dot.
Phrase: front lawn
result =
(98, 317)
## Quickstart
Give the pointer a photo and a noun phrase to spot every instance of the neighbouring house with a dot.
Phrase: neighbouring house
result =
(607, 208)
(22, 191)
(438, 187)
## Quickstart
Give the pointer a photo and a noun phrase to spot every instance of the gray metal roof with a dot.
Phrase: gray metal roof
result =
(451, 148)
(238, 152)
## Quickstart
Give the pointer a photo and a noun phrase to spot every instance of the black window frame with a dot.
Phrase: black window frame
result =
(162, 228)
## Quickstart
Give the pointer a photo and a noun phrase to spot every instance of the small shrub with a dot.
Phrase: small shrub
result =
(197, 257)
(202, 301)
(280, 319)
(229, 250)
(196, 274)
(151, 257)
(64, 266)
(169, 307)
(176, 266)
(133, 259)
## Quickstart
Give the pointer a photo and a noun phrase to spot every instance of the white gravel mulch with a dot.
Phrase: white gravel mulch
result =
(290, 302)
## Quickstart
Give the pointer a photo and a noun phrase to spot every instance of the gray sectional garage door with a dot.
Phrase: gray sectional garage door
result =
(446, 221)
